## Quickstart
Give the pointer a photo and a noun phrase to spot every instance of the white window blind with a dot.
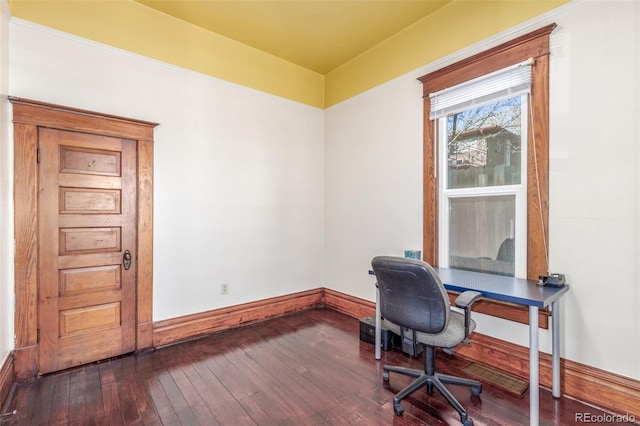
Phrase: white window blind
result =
(505, 83)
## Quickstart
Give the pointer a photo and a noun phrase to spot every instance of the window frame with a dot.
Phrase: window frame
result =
(518, 191)
(532, 45)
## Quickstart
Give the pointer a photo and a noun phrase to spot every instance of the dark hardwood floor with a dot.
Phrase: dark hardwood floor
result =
(308, 368)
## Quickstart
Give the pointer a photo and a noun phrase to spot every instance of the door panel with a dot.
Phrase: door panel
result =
(88, 280)
(87, 219)
(89, 161)
(89, 240)
(89, 201)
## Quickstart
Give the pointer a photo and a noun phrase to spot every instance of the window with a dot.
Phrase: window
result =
(486, 161)
(481, 127)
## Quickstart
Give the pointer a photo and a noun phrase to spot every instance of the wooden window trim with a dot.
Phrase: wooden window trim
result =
(532, 45)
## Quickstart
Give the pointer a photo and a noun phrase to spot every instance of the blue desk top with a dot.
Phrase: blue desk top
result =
(499, 287)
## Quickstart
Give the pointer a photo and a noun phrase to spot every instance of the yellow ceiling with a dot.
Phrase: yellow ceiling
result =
(318, 52)
(319, 35)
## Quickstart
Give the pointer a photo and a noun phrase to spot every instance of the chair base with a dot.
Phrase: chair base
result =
(430, 380)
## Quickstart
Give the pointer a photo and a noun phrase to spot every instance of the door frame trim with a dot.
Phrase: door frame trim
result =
(28, 115)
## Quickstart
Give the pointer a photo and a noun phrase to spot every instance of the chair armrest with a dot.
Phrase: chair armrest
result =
(467, 298)
(464, 301)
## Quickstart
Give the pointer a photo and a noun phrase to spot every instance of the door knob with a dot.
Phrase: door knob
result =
(126, 260)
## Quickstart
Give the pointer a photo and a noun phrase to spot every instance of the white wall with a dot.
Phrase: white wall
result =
(238, 173)
(6, 196)
(373, 189)
(373, 182)
(594, 181)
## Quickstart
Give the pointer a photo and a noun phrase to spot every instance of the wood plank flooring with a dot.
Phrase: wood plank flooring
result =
(308, 368)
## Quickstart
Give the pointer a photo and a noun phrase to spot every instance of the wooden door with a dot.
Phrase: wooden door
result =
(86, 225)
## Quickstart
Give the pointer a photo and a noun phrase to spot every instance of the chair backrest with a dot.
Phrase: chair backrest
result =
(507, 250)
(411, 294)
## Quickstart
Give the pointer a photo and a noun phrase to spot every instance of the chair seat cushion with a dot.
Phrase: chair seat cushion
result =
(449, 338)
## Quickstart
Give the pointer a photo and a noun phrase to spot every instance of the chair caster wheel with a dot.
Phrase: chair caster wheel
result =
(476, 390)
(385, 376)
(398, 409)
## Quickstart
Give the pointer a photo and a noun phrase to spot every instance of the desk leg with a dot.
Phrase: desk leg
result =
(534, 374)
(555, 349)
(378, 337)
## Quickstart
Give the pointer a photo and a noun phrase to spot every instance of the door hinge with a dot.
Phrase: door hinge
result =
(38, 155)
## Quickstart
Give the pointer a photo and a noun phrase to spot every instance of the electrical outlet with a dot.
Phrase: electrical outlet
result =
(224, 288)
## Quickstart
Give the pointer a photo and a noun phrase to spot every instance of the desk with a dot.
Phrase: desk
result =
(514, 290)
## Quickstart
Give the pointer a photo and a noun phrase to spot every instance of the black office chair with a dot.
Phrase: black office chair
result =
(414, 305)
